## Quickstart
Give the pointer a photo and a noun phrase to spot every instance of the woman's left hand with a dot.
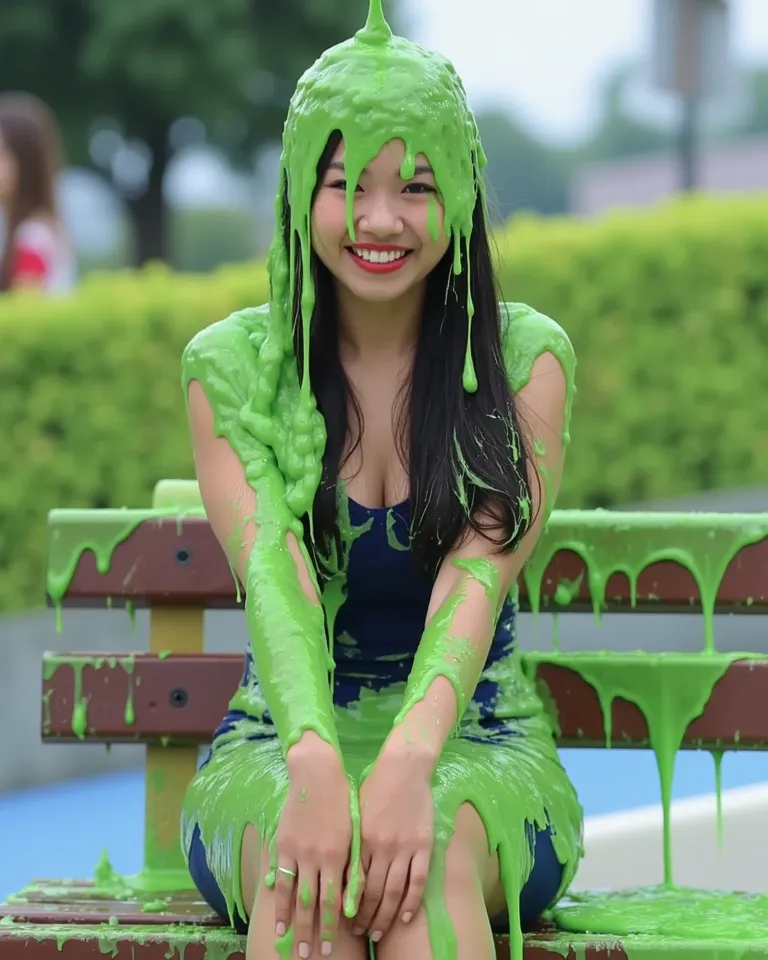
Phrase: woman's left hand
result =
(397, 830)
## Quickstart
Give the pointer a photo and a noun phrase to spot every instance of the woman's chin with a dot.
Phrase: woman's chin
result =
(380, 288)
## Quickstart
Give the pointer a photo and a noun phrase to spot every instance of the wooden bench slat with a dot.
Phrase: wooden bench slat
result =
(178, 561)
(123, 912)
(184, 697)
(94, 942)
(52, 942)
(81, 902)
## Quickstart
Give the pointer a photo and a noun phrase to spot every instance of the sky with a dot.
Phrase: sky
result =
(544, 59)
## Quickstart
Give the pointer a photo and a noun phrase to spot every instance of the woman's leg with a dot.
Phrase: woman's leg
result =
(472, 893)
(261, 930)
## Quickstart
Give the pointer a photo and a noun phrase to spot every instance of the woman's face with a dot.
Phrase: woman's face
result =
(393, 249)
(8, 172)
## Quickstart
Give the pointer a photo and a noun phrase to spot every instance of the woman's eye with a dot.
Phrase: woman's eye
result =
(421, 188)
(341, 185)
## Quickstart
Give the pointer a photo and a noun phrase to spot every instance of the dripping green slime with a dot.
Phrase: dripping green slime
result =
(374, 88)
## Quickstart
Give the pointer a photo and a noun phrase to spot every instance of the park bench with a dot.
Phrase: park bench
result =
(172, 697)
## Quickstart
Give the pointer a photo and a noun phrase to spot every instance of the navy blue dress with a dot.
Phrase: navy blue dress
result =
(377, 632)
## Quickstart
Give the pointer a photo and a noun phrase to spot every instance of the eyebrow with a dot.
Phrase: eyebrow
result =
(420, 167)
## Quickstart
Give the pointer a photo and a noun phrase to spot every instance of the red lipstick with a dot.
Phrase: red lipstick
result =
(388, 266)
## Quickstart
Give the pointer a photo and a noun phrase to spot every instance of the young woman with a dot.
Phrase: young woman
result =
(36, 252)
(377, 450)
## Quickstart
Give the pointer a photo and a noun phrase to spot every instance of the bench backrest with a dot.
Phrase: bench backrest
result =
(172, 697)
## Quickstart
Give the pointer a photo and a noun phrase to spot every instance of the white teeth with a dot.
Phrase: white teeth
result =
(379, 256)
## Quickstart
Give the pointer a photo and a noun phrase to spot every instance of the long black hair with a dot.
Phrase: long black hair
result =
(464, 453)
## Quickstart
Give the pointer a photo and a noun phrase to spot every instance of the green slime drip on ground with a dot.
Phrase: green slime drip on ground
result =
(670, 689)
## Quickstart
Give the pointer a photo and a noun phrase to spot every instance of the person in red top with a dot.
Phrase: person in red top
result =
(36, 252)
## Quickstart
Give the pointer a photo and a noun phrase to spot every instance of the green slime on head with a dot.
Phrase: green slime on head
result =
(373, 88)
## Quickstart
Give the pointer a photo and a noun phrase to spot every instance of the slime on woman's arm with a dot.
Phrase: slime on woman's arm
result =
(473, 582)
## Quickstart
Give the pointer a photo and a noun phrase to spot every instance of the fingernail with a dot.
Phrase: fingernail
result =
(358, 931)
(303, 950)
(280, 929)
(326, 949)
(407, 917)
(376, 936)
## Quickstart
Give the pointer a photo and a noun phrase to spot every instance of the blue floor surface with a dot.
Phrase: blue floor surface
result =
(61, 830)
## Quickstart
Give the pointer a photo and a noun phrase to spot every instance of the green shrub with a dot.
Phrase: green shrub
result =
(667, 310)
(668, 313)
(91, 409)
(203, 238)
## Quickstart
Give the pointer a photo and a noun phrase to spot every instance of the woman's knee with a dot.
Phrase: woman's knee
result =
(468, 860)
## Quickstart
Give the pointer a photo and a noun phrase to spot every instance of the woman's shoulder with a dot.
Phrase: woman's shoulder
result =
(526, 334)
(227, 349)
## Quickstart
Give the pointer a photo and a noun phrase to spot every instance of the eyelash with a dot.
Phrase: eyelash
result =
(426, 187)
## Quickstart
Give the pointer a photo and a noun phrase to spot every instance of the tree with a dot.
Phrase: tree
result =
(756, 121)
(620, 135)
(523, 173)
(526, 173)
(137, 66)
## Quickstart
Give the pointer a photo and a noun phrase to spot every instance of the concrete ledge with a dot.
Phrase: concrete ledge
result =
(625, 849)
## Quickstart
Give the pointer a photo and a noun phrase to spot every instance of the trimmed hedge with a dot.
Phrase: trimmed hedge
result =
(667, 309)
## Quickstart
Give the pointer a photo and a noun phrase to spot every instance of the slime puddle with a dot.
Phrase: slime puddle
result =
(669, 912)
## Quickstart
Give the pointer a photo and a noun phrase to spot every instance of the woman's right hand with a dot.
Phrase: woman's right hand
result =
(313, 843)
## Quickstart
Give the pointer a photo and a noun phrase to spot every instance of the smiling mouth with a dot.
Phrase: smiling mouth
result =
(379, 261)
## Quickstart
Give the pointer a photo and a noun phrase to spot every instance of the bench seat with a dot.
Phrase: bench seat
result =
(72, 920)
(171, 698)
(69, 920)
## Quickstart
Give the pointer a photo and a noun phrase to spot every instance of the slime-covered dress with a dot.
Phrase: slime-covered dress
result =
(503, 759)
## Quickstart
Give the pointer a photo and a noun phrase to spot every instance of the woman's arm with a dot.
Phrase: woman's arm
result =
(471, 585)
(396, 796)
(283, 609)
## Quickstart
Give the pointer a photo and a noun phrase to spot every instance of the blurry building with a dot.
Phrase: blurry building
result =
(739, 166)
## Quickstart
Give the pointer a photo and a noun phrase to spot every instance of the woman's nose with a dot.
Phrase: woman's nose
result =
(380, 216)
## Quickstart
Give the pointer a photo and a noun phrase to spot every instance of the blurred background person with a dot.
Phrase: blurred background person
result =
(37, 251)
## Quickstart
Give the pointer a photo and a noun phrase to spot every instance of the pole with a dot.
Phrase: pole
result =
(689, 153)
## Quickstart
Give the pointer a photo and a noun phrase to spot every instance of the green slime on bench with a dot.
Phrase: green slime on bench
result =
(279, 435)
(221, 944)
(78, 664)
(644, 679)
